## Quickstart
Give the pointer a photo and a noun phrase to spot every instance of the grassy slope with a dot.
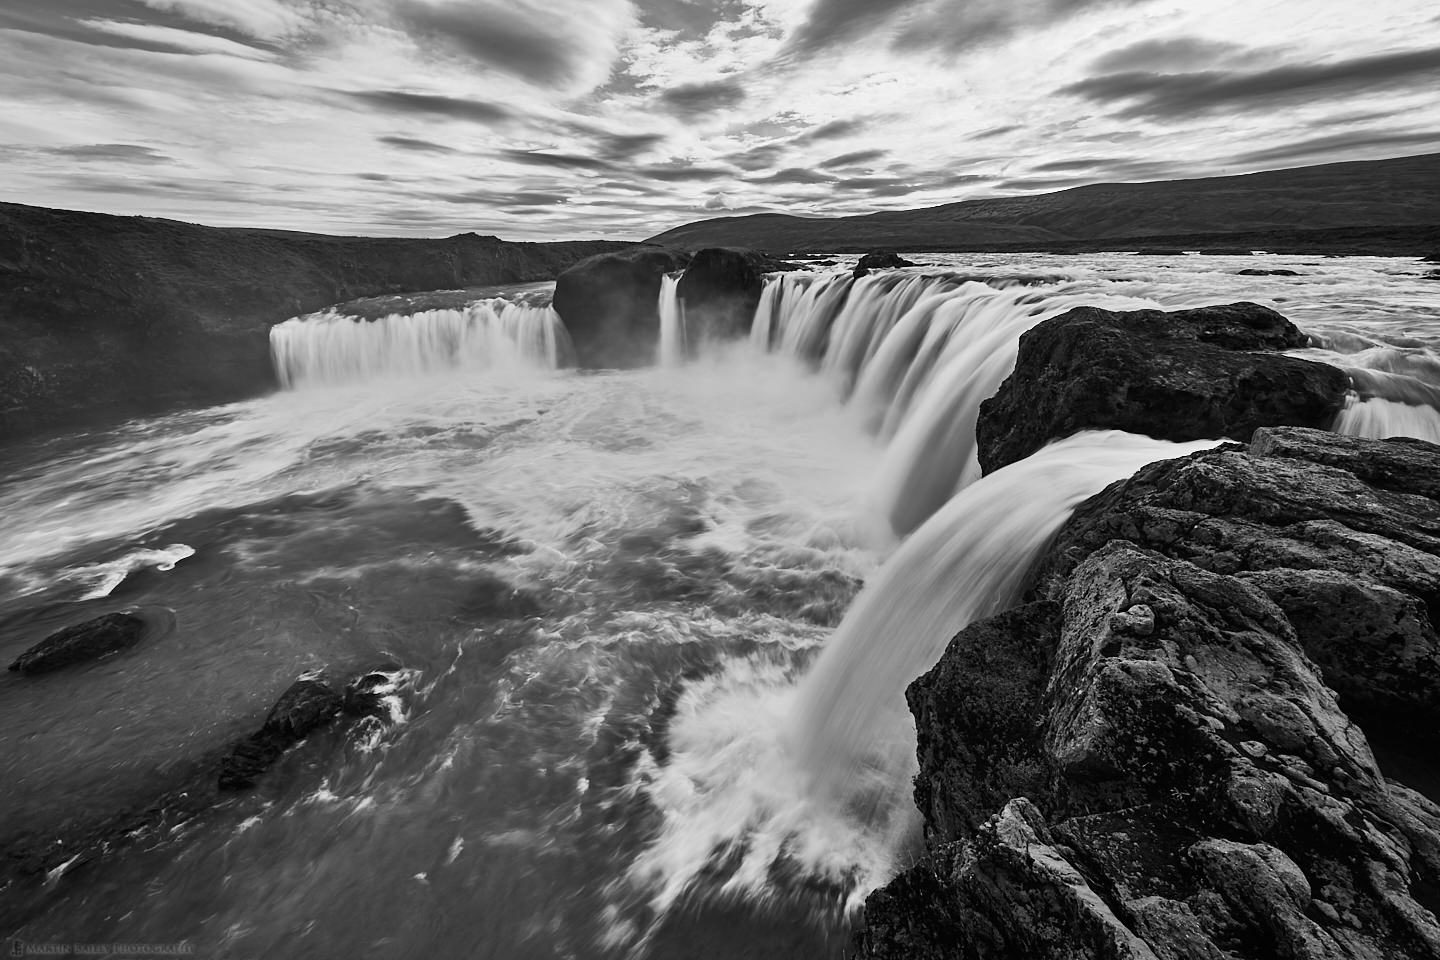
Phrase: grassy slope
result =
(1401, 194)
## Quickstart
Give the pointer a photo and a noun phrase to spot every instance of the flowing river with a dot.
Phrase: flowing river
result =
(643, 706)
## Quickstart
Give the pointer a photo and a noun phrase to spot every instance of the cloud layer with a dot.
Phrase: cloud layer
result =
(585, 118)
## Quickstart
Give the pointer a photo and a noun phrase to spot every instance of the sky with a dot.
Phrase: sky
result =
(559, 119)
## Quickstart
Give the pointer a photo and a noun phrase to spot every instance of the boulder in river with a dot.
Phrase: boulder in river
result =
(1254, 272)
(880, 260)
(307, 705)
(610, 305)
(720, 290)
(1183, 375)
(1182, 747)
(90, 640)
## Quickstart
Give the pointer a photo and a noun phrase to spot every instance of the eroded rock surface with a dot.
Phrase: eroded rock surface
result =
(1161, 755)
(1205, 373)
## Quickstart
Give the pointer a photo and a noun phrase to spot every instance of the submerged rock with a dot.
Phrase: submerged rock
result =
(304, 707)
(1253, 272)
(880, 260)
(1159, 252)
(1183, 375)
(610, 305)
(1151, 759)
(90, 640)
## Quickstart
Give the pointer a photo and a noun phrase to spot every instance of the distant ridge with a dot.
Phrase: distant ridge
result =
(1400, 196)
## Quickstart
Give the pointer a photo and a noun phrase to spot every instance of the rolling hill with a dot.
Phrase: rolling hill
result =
(1400, 195)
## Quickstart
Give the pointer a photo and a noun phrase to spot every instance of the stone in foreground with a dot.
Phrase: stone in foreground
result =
(86, 641)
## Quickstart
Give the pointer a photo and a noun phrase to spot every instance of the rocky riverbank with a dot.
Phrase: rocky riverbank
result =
(1207, 733)
(108, 316)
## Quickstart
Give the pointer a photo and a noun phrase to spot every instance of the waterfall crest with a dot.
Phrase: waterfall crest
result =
(496, 334)
(914, 355)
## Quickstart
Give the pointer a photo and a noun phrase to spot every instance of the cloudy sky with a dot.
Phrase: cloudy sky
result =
(538, 119)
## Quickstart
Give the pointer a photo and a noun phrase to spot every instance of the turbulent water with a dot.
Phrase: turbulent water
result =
(644, 706)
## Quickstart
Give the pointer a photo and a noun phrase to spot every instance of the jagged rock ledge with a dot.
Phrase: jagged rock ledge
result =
(1181, 746)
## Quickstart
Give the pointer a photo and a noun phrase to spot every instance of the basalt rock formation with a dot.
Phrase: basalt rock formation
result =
(610, 305)
(1184, 375)
(880, 260)
(106, 316)
(720, 290)
(1181, 746)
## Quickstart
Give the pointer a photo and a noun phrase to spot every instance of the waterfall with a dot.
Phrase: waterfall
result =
(332, 348)
(673, 339)
(915, 356)
(769, 778)
(1380, 419)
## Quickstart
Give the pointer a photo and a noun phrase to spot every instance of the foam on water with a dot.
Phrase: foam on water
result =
(771, 776)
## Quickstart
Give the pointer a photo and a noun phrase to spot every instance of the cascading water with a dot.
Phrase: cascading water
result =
(673, 338)
(495, 334)
(769, 778)
(922, 353)
(668, 722)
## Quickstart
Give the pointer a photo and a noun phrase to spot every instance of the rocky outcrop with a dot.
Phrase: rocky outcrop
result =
(81, 643)
(308, 704)
(880, 260)
(104, 316)
(610, 305)
(720, 290)
(1184, 375)
(1171, 750)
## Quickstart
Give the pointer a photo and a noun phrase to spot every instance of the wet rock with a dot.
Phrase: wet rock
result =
(1151, 758)
(1184, 375)
(1432, 275)
(880, 260)
(1227, 252)
(1253, 272)
(307, 705)
(1159, 252)
(721, 289)
(86, 641)
(610, 305)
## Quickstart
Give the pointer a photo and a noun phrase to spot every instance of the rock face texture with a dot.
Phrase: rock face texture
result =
(108, 316)
(90, 640)
(1171, 750)
(721, 289)
(610, 305)
(1186, 375)
(307, 705)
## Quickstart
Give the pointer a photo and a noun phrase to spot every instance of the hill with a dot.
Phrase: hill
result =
(105, 316)
(1317, 207)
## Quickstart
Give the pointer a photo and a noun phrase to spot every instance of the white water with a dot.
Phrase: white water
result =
(672, 323)
(1378, 419)
(331, 348)
(771, 776)
(529, 779)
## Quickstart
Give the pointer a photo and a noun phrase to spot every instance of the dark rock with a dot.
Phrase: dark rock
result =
(720, 290)
(1227, 252)
(1432, 275)
(1194, 790)
(610, 305)
(1432, 258)
(306, 706)
(1159, 252)
(1252, 272)
(1184, 375)
(880, 260)
(85, 641)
